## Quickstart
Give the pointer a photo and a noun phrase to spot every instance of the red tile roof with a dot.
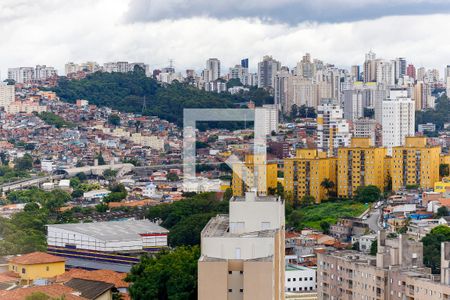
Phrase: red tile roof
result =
(108, 276)
(36, 258)
(54, 291)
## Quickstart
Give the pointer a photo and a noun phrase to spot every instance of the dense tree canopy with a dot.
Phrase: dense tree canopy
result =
(369, 193)
(126, 92)
(170, 275)
(439, 115)
(186, 219)
(432, 247)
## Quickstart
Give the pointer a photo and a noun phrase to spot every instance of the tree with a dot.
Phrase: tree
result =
(432, 247)
(172, 177)
(442, 212)
(369, 193)
(100, 159)
(114, 120)
(355, 246)
(374, 248)
(280, 189)
(167, 275)
(294, 111)
(295, 219)
(110, 174)
(307, 200)
(328, 185)
(187, 231)
(82, 176)
(227, 194)
(444, 170)
(325, 226)
(24, 164)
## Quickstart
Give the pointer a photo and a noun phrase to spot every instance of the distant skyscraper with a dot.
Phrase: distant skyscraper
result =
(244, 63)
(398, 118)
(356, 72)
(332, 129)
(411, 71)
(267, 69)
(213, 67)
(400, 68)
(447, 71)
(370, 68)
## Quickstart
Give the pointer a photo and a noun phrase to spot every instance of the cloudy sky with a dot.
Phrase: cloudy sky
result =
(53, 32)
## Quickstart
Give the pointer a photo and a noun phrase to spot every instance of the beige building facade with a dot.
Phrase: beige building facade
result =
(242, 254)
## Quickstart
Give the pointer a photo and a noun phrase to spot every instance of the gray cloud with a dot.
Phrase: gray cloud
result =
(281, 11)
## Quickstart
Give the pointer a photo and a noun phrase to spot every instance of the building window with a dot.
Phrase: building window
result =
(23, 271)
(230, 272)
(241, 272)
(47, 268)
(230, 290)
(289, 279)
(241, 290)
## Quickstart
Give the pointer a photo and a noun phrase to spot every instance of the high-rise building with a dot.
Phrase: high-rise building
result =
(6, 95)
(42, 72)
(354, 103)
(333, 130)
(370, 68)
(366, 127)
(385, 72)
(396, 272)
(281, 90)
(305, 173)
(411, 71)
(254, 173)
(421, 73)
(361, 164)
(244, 63)
(21, 75)
(242, 254)
(213, 67)
(241, 73)
(267, 69)
(356, 73)
(305, 67)
(400, 68)
(415, 164)
(268, 113)
(398, 118)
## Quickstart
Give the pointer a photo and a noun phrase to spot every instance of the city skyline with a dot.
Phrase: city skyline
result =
(125, 33)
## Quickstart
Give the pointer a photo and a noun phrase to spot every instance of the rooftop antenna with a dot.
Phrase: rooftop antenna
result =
(171, 63)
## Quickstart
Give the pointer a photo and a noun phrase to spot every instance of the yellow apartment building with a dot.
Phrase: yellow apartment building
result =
(415, 164)
(304, 174)
(442, 186)
(361, 164)
(254, 169)
(36, 265)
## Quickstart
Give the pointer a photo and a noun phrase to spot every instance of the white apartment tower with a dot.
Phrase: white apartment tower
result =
(213, 67)
(267, 69)
(6, 95)
(333, 131)
(242, 254)
(268, 113)
(398, 118)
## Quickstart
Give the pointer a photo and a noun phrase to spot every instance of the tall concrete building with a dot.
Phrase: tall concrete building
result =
(411, 71)
(241, 73)
(268, 113)
(354, 103)
(400, 68)
(305, 173)
(356, 73)
(213, 67)
(361, 164)
(370, 69)
(333, 130)
(366, 127)
(415, 164)
(6, 95)
(21, 74)
(242, 254)
(267, 69)
(396, 272)
(398, 118)
(306, 67)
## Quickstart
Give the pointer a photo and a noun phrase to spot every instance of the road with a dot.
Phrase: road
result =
(372, 221)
